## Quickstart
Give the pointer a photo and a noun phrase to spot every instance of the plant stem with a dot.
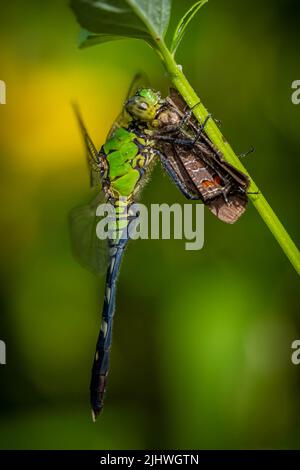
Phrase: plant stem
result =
(266, 212)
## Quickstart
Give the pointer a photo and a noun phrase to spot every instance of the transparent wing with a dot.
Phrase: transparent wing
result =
(88, 249)
(140, 80)
(94, 158)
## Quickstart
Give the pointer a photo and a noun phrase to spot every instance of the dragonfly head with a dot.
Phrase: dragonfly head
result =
(144, 104)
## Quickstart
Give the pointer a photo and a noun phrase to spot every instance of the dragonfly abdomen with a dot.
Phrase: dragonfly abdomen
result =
(102, 356)
(117, 243)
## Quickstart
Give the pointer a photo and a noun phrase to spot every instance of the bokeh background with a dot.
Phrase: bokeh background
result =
(202, 340)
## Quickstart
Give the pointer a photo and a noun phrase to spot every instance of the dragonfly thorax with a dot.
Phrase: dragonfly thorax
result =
(127, 155)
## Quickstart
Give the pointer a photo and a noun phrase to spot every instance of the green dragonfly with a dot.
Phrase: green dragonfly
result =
(149, 128)
(117, 174)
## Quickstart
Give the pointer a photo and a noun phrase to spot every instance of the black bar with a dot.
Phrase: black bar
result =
(149, 459)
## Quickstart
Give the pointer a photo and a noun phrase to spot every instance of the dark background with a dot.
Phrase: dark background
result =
(202, 340)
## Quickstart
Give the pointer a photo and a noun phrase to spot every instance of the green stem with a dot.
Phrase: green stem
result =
(266, 212)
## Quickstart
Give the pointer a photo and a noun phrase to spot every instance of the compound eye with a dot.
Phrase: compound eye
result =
(143, 106)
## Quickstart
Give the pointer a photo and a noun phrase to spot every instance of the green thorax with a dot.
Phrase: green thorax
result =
(125, 162)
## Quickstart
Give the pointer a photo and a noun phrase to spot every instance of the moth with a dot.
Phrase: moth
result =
(196, 166)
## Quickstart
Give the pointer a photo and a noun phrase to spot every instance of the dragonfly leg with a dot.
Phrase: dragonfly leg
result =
(184, 142)
(189, 113)
(201, 128)
(175, 140)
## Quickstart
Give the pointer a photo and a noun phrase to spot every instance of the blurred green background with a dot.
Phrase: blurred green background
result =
(202, 340)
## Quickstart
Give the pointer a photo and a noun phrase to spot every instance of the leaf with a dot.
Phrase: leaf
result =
(183, 23)
(108, 20)
(155, 13)
(87, 39)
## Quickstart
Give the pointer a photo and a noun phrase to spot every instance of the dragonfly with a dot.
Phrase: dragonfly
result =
(148, 129)
(117, 174)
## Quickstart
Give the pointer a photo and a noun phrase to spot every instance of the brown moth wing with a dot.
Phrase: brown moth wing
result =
(178, 100)
(236, 174)
(187, 169)
(213, 197)
(228, 212)
(199, 172)
(192, 171)
(170, 153)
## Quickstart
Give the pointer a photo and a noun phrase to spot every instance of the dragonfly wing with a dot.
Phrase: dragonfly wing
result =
(140, 80)
(94, 159)
(88, 249)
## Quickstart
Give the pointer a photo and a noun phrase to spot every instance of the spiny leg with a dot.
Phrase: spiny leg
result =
(201, 128)
(182, 141)
(175, 140)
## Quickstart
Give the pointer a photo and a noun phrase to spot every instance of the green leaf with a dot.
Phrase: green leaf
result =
(87, 39)
(108, 20)
(183, 23)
